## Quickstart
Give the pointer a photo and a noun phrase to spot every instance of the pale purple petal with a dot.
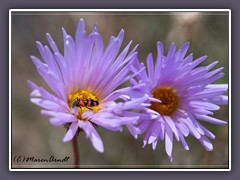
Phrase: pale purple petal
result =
(92, 135)
(69, 117)
(169, 142)
(154, 144)
(148, 134)
(184, 143)
(183, 129)
(71, 132)
(211, 119)
(192, 129)
(221, 100)
(183, 51)
(133, 130)
(113, 123)
(206, 143)
(151, 69)
(172, 126)
(40, 92)
(52, 43)
(207, 132)
(46, 104)
(59, 121)
(143, 126)
(155, 132)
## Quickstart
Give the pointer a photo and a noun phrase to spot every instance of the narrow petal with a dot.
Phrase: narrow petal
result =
(211, 120)
(191, 128)
(169, 142)
(69, 117)
(184, 143)
(183, 129)
(171, 51)
(205, 105)
(92, 135)
(183, 50)
(148, 134)
(143, 125)
(150, 69)
(40, 92)
(154, 144)
(80, 32)
(221, 100)
(71, 132)
(198, 61)
(155, 132)
(113, 123)
(52, 43)
(207, 132)
(209, 93)
(133, 130)
(206, 143)
(172, 126)
(46, 104)
(59, 122)
(160, 51)
(51, 79)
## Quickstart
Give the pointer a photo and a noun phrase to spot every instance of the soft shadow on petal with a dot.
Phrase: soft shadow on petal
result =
(71, 132)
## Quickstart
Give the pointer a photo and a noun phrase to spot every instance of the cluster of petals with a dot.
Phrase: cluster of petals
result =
(87, 65)
(197, 97)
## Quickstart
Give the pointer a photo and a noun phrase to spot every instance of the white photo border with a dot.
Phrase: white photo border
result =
(117, 10)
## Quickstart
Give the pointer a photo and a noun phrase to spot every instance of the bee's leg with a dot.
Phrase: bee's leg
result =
(89, 108)
(81, 109)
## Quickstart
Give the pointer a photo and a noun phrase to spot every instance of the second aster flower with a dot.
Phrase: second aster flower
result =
(182, 95)
(84, 84)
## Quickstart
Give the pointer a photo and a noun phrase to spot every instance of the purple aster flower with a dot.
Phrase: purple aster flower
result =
(83, 83)
(181, 97)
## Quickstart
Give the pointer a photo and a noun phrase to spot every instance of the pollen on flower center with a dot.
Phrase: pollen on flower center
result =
(168, 98)
(84, 101)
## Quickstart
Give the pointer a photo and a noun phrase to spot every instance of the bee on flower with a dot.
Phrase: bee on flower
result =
(84, 81)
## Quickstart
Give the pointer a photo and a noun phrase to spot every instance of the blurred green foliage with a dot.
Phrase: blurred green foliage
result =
(33, 135)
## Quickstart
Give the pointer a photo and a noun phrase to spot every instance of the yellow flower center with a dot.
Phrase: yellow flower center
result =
(84, 101)
(168, 98)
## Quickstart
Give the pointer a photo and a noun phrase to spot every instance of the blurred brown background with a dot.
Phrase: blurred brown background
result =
(33, 135)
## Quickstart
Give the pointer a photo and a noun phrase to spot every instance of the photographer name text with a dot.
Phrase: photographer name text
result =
(24, 159)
